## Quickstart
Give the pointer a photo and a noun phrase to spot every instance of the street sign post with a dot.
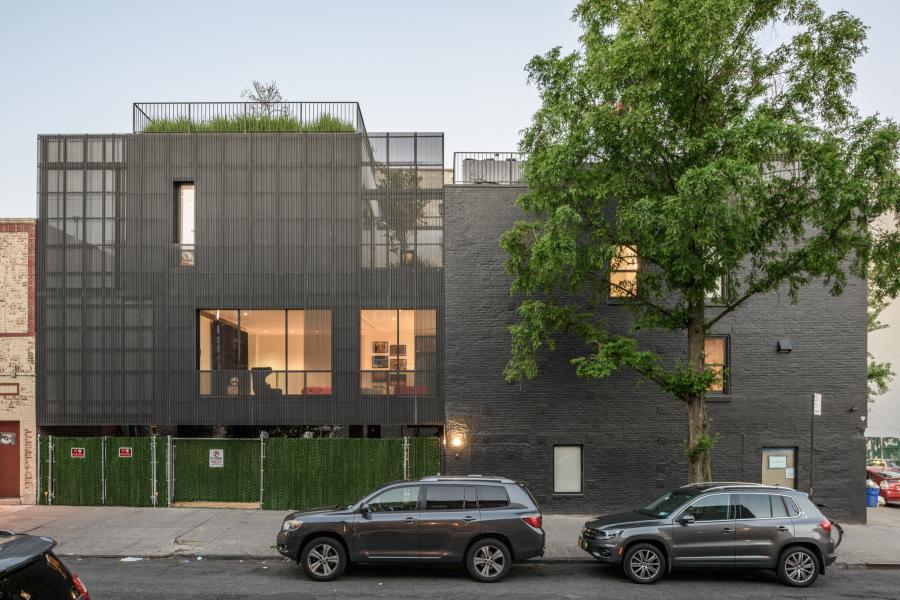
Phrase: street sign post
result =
(816, 412)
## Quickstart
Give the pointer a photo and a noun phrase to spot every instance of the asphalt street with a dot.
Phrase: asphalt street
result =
(226, 579)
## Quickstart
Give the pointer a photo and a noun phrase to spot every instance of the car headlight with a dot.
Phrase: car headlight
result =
(291, 524)
(883, 485)
(610, 533)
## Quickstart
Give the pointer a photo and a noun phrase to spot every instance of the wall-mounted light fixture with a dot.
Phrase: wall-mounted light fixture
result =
(785, 346)
(457, 439)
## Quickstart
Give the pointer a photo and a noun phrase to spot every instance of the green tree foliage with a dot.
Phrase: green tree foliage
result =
(880, 373)
(675, 132)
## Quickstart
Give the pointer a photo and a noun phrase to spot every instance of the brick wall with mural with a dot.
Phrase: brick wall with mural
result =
(17, 350)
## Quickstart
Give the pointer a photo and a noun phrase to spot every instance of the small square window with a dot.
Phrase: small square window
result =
(567, 470)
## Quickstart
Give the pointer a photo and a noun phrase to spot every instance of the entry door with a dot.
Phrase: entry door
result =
(709, 540)
(779, 467)
(390, 529)
(9, 459)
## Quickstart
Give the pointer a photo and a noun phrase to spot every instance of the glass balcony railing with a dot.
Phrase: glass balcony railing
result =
(397, 383)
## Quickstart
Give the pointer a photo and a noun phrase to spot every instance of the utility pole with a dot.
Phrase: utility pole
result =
(816, 411)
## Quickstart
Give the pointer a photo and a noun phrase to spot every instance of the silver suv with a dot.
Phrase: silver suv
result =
(484, 522)
(716, 525)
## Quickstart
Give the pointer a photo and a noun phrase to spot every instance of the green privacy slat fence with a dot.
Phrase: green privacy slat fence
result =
(237, 480)
(128, 469)
(301, 474)
(424, 457)
(296, 473)
(43, 471)
(77, 471)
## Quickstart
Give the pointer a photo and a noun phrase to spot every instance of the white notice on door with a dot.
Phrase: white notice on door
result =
(216, 457)
(789, 473)
(778, 462)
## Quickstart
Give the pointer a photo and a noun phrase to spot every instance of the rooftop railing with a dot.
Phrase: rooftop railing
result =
(492, 168)
(245, 117)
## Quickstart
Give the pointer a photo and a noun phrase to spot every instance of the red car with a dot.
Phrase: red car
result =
(888, 482)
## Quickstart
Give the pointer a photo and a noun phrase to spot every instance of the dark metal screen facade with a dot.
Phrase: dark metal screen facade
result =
(283, 221)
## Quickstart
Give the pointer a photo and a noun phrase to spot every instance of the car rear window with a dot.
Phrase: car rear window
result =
(449, 497)
(792, 508)
(492, 496)
(45, 577)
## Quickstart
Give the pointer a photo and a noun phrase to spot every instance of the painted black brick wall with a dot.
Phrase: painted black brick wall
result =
(632, 434)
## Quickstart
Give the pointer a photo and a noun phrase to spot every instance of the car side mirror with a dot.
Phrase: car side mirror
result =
(364, 509)
(687, 519)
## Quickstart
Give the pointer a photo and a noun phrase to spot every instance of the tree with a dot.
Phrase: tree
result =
(880, 374)
(403, 209)
(266, 95)
(674, 135)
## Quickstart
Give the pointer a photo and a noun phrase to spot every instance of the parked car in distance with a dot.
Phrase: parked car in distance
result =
(716, 525)
(888, 483)
(30, 570)
(485, 523)
(884, 463)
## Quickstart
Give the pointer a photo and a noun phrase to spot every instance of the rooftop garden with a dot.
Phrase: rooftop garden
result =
(238, 124)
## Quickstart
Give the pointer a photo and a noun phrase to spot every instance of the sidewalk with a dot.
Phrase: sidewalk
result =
(116, 531)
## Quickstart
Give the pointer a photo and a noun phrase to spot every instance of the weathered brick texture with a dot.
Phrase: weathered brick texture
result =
(632, 433)
(17, 342)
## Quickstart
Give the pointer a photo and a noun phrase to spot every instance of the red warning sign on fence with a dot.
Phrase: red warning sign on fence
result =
(77, 452)
(124, 452)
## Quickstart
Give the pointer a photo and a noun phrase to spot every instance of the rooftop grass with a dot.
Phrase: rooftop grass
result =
(241, 124)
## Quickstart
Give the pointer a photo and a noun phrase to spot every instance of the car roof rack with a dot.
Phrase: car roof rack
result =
(719, 485)
(467, 478)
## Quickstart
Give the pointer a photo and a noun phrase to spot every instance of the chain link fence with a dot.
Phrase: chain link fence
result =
(271, 473)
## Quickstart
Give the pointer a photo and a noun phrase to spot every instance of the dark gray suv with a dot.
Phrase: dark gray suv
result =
(485, 522)
(741, 525)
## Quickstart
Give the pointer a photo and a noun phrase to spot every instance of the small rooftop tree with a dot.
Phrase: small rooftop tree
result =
(674, 157)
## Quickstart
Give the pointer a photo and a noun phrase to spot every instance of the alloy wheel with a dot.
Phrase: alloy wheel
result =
(645, 564)
(323, 560)
(489, 561)
(799, 567)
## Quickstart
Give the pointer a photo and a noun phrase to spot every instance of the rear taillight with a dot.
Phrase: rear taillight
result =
(825, 524)
(534, 520)
(79, 587)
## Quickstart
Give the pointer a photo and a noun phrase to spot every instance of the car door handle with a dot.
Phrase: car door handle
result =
(727, 530)
(782, 528)
(410, 520)
(469, 518)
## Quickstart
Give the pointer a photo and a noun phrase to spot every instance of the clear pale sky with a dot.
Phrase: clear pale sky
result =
(414, 65)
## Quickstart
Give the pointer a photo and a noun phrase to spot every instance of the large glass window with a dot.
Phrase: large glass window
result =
(184, 193)
(623, 272)
(567, 469)
(715, 356)
(269, 352)
(398, 351)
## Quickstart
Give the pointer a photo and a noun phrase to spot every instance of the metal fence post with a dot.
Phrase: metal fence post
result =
(405, 458)
(103, 470)
(262, 460)
(153, 491)
(170, 471)
(37, 498)
(50, 470)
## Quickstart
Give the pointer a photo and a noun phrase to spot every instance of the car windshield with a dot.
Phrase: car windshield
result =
(663, 506)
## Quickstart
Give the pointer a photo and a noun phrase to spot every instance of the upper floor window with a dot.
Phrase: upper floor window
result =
(267, 353)
(718, 294)
(185, 222)
(715, 356)
(623, 272)
(398, 351)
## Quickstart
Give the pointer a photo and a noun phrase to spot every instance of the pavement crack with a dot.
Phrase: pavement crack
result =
(179, 539)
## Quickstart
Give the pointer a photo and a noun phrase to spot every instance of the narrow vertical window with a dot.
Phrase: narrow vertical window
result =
(184, 194)
(567, 470)
(715, 356)
(623, 272)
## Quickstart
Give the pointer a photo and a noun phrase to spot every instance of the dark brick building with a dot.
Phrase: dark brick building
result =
(629, 434)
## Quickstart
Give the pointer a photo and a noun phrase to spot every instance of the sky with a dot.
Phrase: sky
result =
(414, 65)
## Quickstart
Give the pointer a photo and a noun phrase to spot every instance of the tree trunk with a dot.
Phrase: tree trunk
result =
(698, 421)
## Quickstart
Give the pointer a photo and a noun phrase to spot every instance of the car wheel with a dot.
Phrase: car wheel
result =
(798, 566)
(488, 560)
(323, 559)
(644, 563)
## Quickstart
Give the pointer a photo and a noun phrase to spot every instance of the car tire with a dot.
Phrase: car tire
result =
(644, 563)
(323, 559)
(488, 560)
(798, 566)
